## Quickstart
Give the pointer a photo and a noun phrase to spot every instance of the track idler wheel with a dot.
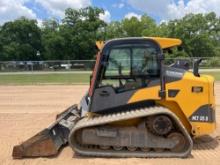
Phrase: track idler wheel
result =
(181, 142)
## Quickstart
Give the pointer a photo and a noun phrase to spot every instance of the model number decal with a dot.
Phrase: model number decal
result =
(205, 113)
(200, 118)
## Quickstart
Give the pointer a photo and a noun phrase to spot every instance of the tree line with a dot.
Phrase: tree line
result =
(74, 37)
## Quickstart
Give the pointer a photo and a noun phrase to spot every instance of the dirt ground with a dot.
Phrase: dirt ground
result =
(25, 110)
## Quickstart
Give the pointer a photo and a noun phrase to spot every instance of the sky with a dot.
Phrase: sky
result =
(160, 10)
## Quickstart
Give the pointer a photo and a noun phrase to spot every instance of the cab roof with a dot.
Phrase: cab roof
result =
(164, 43)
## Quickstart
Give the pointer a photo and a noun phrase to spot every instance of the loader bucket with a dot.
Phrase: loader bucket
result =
(41, 144)
(49, 141)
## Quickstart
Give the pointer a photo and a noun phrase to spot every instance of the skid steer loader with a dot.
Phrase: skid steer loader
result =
(135, 106)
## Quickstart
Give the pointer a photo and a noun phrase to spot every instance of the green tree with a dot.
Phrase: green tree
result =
(199, 32)
(75, 37)
(134, 27)
(80, 29)
(53, 42)
(20, 40)
(149, 26)
(50, 25)
(1, 45)
(114, 30)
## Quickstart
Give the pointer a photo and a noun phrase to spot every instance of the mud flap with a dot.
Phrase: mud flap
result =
(49, 141)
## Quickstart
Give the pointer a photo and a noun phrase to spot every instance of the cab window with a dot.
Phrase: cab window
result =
(130, 67)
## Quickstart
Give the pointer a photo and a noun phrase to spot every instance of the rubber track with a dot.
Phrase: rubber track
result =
(138, 113)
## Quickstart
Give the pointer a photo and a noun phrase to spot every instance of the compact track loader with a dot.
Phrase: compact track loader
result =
(135, 106)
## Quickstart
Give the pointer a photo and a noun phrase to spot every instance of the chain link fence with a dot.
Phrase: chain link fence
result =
(58, 65)
(207, 62)
(87, 65)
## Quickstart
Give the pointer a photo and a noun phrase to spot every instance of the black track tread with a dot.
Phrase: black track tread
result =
(137, 113)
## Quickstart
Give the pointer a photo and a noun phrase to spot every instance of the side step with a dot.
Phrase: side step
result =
(49, 141)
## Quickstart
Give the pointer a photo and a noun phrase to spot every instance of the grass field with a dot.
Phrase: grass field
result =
(214, 74)
(56, 78)
(51, 78)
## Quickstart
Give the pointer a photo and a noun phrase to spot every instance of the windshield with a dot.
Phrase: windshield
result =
(131, 60)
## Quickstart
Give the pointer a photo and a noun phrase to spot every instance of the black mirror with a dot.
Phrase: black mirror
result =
(196, 67)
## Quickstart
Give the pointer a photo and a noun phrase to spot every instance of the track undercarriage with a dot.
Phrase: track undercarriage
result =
(101, 136)
(107, 136)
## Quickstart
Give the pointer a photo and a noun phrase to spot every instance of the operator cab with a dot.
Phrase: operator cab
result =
(130, 64)
(122, 67)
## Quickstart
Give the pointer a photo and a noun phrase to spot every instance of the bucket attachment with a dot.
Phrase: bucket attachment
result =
(49, 141)
(41, 144)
